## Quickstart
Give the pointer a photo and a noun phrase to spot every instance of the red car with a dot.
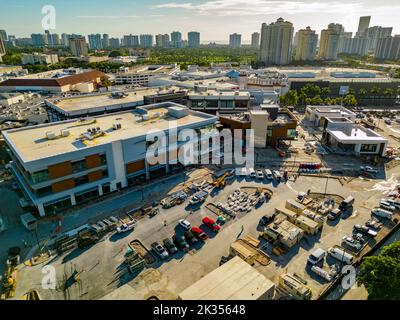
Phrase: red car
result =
(199, 234)
(211, 224)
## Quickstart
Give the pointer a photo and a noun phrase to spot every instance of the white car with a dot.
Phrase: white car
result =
(382, 213)
(260, 174)
(368, 169)
(352, 243)
(277, 175)
(126, 227)
(268, 174)
(185, 224)
(252, 173)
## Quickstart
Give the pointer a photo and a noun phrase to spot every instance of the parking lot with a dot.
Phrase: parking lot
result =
(101, 270)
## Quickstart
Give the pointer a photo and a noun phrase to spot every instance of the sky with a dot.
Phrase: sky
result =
(214, 19)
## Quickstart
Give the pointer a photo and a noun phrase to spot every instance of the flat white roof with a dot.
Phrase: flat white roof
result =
(31, 143)
(357, 135)
(234, 280)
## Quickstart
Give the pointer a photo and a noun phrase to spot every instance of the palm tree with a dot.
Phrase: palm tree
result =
(388, 92)
(375, 90)
(362, 92)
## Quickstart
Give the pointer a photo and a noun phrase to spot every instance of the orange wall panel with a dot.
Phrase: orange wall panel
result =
(60, 170)
(63, 185)
(94, 176)
(93, 161)
(135, 166)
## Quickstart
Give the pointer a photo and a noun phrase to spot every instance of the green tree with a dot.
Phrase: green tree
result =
(362, 92)
(350, 100)
(381, 274)
(105, 82)
(317, 100)
(376, 90)
(310, 90)
(328, 101)
(388, 92)
(326, 91)
(352, 91)
(289, 99)
(115, 53)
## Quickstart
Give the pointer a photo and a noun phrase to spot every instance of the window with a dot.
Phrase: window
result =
(81, 180)
(79, 166)
(44, 191)
(103, 159)
(54, 207)
(40, 176)
(226, 104)
(369, 147)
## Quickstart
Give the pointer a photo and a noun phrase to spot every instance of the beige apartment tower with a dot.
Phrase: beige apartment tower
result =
(329, 44)
(276, 43)
(78, 46)
(306, 45)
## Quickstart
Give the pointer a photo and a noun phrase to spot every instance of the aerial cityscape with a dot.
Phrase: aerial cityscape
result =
(187, 157)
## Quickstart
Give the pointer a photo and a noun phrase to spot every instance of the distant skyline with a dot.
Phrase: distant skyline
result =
(214, 19)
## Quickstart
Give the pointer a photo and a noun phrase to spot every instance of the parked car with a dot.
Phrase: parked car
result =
(359, 237)
(170, 246)
(392, 202)
(221, 220)
(368, 169)
(341, 255)
(126, 227)
(180, 242)
(387, 206)
(346, 203)
(211, 224)
(184, 224)
(268, 174)
(198, 233)
(352, 243)
(159, 250)
(190, 238)
(382, 213)
(366, 230)
(277, 175)
(260, 174)
(334, 214)
(252, 173)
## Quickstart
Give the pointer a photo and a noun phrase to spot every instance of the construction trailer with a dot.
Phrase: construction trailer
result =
(284, 232)
(309, 226)
(295, 286)
(234, 280)
(244, 251)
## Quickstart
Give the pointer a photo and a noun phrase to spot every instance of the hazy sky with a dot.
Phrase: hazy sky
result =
(215, 19)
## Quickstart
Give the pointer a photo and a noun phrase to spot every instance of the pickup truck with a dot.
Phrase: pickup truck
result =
(159, 250)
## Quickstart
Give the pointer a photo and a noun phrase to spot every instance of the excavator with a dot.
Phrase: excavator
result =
(220, 182)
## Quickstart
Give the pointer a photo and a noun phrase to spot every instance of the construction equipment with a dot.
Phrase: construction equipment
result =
(9, 282)
(220, 182)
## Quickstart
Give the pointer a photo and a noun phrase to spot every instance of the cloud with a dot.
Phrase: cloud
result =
(107, 17)
(262, 7)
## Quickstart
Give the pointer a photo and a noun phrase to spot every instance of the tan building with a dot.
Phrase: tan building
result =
(39, 58)
(276, 43)
(234, 280)
(306, 47)
(329, 44)
(2, 49)
(78, 46)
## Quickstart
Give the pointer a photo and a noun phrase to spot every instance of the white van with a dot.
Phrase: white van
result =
(316, 256)
(341, 255)
(382, 213)
(268, 174)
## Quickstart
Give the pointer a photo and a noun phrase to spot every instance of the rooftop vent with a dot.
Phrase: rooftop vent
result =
(117, 126)
(65, 133)
(50, 135)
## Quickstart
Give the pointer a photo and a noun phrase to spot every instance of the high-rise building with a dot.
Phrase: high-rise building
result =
(39, 40)
(131, 41)
(306, 47)
(388, 48)
(194, 39)
(162, 40)
(235, 40)
(2, 48)
(255, 39)
(114, 43)
(95, 41)
(373, 34)
(146, 40)
(363, 24)
(78, 46)
(329, 44)
(337, 27)
(345, 42)
(3, 35)
(176, 39)
(276, 42)
(52, 39)
(106, 40)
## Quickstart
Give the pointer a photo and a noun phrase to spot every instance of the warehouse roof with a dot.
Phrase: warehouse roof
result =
(234, 280)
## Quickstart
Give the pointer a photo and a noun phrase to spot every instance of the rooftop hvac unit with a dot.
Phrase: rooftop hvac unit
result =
(117, 126)
(50, 135)
(236, 93)
(65, 133)
(145, 117)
